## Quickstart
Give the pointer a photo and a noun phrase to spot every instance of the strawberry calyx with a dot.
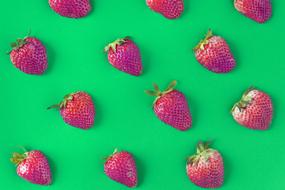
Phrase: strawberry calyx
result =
(205, 41)
(17, 158)
(203, 151)
(116, 43)
(110, 156)
(63, 103)
(20, 42)
(244, 101)
(157, 93)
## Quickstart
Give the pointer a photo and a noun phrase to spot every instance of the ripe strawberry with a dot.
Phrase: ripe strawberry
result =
(171, 107)
(29, 55)
(33, 166)
(206, 167)
(121, 167)
(77, 109)
(257, 10)
(124, 55)
(214, 54)
(71, 8)
(170, 9)
(254, 110)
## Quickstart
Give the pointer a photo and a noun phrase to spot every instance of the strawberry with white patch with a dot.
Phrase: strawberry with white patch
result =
(254, 110)
(33, 166)
(206, 167)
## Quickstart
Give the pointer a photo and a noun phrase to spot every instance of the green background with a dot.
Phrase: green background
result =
(125, 120)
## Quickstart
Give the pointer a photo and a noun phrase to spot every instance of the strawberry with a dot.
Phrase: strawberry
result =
(206, 167)
(121, 167)
(171, 107)
(257, 10)
(29, 55)
(71, 8)
(254, 110)
(33, 166)
(214, 54)
(170, 9)
(77, 109)
(124, 55)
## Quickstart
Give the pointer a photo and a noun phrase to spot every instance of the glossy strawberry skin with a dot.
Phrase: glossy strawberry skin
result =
(257, 10)
(80, 111)
(172, 108)
(257, 114)
(208, 172)
(35, 168)
(71, 8)
(126, 58)
(170, 9)
(31, 58)
(216, 56)
(121, 167)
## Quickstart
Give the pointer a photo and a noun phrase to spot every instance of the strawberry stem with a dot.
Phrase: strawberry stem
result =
(205, 41)
(110, 156)
(63, 103)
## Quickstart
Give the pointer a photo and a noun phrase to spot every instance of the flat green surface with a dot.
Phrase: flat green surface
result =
(253, 159)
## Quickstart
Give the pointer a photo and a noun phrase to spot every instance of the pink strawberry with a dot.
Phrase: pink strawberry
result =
(206, 167)
(254, 110)
(170, 9)
(29, 55)
(121, 167)
(71, 8)
(257, 10)
(77, 109)
(124, 55)
(214, 54)
(33, 166)
(171, 107)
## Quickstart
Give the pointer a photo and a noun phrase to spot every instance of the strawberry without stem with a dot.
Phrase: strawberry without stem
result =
(170, 9)
(125, 55)
(254, 110)
(29, 55)
(33, 166)
(206, 167)
(171, 107)
(121, 167)
(77, 109)
(214, 54)
(257, 10)
(71, 8)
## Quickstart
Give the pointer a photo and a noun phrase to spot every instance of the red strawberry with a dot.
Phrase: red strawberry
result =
(124, 55)
(214, 54)
(254, 110)
(71, 8)
(170, 9)
(29, 55)
(121, 167)
(257, 10)
(33, 166)
(77, 109)
(171, 107)
(206, 167)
